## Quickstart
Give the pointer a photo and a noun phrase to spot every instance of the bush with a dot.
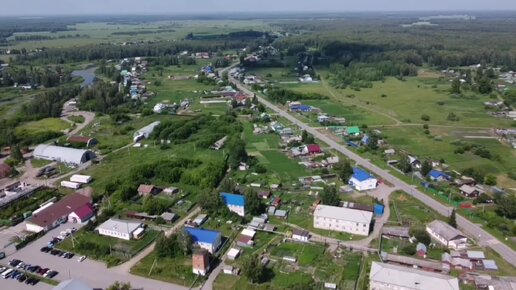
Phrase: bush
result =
(425, 117)
(409, 250)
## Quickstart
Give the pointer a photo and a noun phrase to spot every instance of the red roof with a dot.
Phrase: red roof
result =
(79, 139)
(5, 170)
(245, 240)
(147, 189)
(84, 212)
(60, 209)
(313, 148)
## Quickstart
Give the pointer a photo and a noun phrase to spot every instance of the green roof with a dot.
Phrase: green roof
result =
(353, 130)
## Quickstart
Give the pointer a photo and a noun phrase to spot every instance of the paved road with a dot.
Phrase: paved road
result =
(482, 237)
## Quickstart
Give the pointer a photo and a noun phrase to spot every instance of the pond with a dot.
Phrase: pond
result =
(88, 76)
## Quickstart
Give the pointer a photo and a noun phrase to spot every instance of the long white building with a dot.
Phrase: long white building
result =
(394, 277)
(125, 230)
(62, 154)
(342, 219)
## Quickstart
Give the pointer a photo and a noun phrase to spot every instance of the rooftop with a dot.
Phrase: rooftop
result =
(63, 207)
(361, 175)
(120, 226)
(203, 236)
(409, 278)
(342, 213)
(233, 199)
(445, 230)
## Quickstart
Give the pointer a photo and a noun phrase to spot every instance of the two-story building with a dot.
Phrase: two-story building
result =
(342, 219)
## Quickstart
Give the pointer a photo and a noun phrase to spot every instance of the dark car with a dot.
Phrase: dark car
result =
(42, 271)
(34, 269)
(14, 262)
(21, 278)
(32, 281)
(51, 274)
(55, 252)
(15, 274)
(45, 249)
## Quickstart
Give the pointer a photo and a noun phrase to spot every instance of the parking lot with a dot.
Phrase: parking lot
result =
(12, 284)
(94, 273)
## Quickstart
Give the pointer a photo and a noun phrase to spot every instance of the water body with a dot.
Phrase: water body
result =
(88, 76)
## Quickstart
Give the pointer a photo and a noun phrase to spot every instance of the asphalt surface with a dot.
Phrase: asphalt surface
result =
(93, 273)
(482, 237)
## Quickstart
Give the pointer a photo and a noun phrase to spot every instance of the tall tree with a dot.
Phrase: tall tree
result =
(237, 152)
(252, 203)
(426, 167)
(252, 269)
(455, 86)
(329, 196)
(185, 242)
(452, 219)
(343, 170)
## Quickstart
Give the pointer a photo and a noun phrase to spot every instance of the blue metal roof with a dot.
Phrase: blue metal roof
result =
(360, 174)
(436, 174)
(233, 199)
(202, 235)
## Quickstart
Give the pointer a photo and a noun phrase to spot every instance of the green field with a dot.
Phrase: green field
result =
(177, 271)
(44, 125)
(409, 211)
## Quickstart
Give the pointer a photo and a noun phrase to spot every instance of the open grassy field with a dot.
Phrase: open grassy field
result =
(103, 32)
(409, 211)
(44, 125)
(177, 271)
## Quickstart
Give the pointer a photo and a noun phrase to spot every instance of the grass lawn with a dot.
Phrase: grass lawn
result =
(109, 249)
(410, 210)
(38, 163)
(43, 125)
(306, 254)
(177, 270)
(76, 119)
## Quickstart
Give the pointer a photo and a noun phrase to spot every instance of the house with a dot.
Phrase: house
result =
(342, 219)
(322, 119)
(470, 191)
(353, 131)
(88, 141)
(365, 139)
(447, 235)
(414, 162)
(121, 229)
(313, 149)
(234, 202)
(300, 108)
(248, 232)
(245, 241)
(362, 180)
(171, 190)
(168, 217)
(436, 175)
(421, 250)
(75, 208)
(62, 154)
(264, 194)
(387, 277)
(456, 262)
(299, 151)
(300, 235)
(147, 190)
(396, 232)
(233, 253)
(205, 239)
(5, 170)
(201, 262)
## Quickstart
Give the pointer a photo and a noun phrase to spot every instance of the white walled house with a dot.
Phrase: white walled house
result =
(361, 180)
(234, 202)
(447, 235)
(342, 219)
(300, 235)
(120, 229)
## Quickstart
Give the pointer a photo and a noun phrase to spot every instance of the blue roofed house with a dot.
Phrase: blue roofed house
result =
(365, 140)
(436, 175)
(234, 202)
(362, 180)
(205, 239)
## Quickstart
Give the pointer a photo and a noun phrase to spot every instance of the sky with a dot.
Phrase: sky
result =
(91, 7)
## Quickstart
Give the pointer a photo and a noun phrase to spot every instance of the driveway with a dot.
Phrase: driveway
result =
(94, 273)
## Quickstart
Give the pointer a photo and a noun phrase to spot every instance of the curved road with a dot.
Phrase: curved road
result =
(483, 238)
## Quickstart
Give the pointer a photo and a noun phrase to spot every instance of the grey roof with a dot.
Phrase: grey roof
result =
(73, 284)
(409, 261)
(396, 231)
(490, 265)
(445, 230)
(342, 213)
(168, 216)
(476, 255)
(410, 278)
(147, 130)
(62, 154)
(121, 226)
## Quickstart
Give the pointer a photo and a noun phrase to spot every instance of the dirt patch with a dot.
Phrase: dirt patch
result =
(402, 198)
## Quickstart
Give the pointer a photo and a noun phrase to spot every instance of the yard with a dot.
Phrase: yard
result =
(409, 211)
(177, 270)
(111, 250)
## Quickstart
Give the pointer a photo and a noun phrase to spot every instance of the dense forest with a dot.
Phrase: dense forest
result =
(34, 76)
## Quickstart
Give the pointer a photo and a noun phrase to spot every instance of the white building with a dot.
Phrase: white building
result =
(342, 219)
(362, 180)
(125, 230)
(447, 235)
(62, 154)
(394, 277)
(300, 235)
(145, 131)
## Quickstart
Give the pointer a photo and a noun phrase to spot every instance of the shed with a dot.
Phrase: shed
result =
(490, 265)
(233, 253)
(378, 209)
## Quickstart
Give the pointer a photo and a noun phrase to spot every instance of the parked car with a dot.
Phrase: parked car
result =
(82, 258)
(22, 278)
(14, 262)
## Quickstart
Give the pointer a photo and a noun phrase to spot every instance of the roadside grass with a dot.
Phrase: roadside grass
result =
(111, 250)
(177, 270)
(38, 163)
(76, 119)
(43, 125)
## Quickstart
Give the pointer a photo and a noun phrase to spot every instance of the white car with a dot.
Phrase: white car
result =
(82, 258)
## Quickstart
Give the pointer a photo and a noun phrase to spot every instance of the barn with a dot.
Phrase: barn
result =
(62, 154)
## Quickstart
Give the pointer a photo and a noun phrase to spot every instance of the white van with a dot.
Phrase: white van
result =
(6, 273)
